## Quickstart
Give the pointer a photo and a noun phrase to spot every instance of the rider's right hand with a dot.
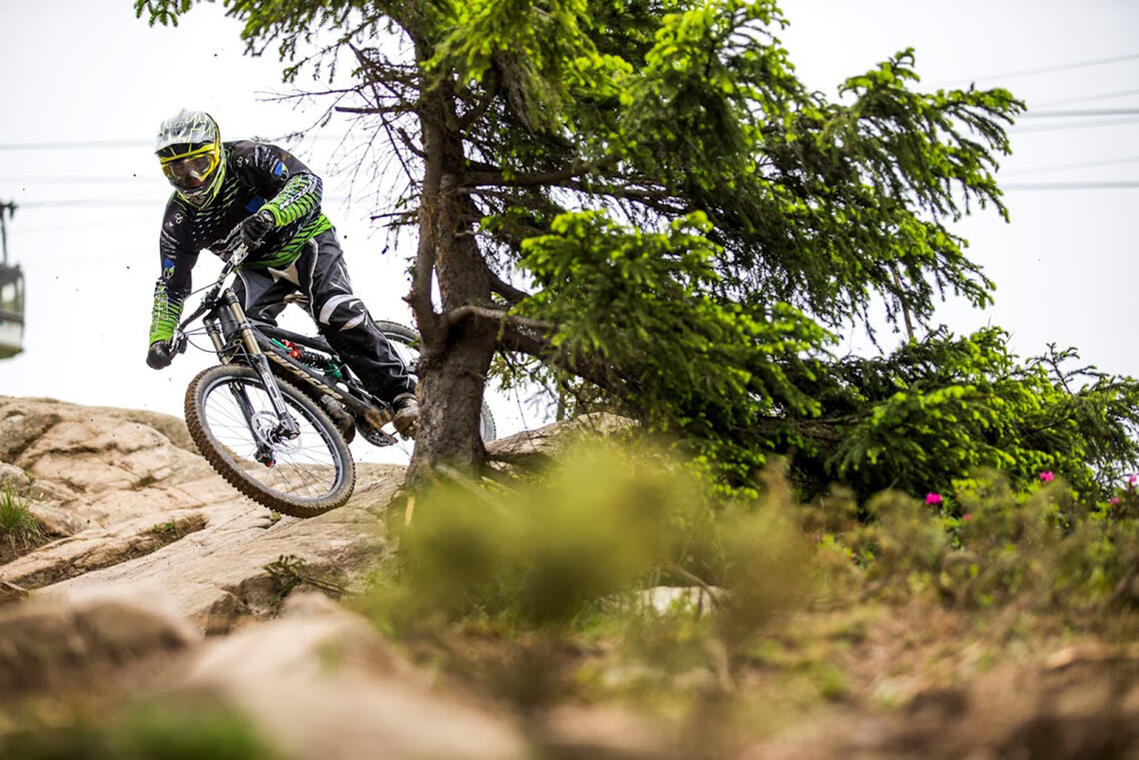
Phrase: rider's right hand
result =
(249, 232)
(160, 355)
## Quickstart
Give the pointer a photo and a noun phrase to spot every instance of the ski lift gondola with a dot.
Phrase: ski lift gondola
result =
(11, 310)
(11, 295)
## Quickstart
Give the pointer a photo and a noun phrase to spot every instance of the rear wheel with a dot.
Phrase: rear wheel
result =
(406, 343)
(232, 421)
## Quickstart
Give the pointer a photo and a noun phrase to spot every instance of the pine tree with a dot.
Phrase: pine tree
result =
(641, 206)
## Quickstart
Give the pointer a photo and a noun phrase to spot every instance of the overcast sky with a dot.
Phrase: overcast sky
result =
(87, 72)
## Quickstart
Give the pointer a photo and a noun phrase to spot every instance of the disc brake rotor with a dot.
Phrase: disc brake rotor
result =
(264, 426)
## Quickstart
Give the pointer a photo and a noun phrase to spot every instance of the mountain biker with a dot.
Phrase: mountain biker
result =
(262, 196)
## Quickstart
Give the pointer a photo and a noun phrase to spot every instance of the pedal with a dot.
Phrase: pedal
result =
(371, 427)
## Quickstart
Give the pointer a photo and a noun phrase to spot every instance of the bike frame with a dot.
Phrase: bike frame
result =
(237, 338)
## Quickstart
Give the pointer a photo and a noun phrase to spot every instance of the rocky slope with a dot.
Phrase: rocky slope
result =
(156, 580)
(127, 501)
(149, 556)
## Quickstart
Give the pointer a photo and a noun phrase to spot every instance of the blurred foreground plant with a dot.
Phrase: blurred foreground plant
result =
(608, 520)
(170, 729)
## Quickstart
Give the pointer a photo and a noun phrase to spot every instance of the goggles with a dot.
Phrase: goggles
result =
(191, 171)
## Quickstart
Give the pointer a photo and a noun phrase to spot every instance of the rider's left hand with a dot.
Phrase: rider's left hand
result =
(251, 231)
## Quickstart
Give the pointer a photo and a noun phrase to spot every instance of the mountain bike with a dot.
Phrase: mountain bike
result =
(276, 416)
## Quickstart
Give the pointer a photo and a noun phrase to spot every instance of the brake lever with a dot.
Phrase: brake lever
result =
(178, 342)
(237, 255)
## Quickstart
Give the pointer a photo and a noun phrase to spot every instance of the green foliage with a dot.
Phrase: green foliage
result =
(18, 527)
(538, 554)
(534, 591)
(166, 730)
(936, 411)
(685, 106)
(669, 353)
(996, 546)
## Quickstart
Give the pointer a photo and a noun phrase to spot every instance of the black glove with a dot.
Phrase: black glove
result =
(160, 355)
(251, 231)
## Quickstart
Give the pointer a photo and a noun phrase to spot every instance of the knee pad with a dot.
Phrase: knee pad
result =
(342, 312)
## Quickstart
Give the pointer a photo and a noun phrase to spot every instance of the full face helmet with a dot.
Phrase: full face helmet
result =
(189, 149)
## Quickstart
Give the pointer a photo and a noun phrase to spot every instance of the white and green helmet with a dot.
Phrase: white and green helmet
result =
(189, 149)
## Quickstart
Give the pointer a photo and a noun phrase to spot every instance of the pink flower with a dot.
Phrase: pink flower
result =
(1132, 480)
(967, 517)
(932, 498)
(1047, 476)
(1113, 502)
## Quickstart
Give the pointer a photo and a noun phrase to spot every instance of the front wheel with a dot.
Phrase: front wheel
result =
(232, 421)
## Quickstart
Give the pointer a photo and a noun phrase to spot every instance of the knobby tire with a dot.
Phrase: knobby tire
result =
(247, 476)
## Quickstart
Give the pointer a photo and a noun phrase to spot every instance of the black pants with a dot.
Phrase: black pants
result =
(321, 278)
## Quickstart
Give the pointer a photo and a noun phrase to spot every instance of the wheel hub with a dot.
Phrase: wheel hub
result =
(267, 429)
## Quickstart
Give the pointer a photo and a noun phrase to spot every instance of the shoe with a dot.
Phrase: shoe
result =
(405, 408)
(377, 418)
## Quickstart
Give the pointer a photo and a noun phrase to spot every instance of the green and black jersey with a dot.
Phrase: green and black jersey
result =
(256, 176)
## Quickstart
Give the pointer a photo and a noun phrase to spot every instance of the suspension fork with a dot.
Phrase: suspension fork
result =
(234, 318)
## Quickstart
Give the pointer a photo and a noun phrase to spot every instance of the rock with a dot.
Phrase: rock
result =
(591, 731)
(90, 454)
(325, 686)
(22, 422)
(69, 454)
(531, 448)
(13, 478)
(45, 643)
(217, 575)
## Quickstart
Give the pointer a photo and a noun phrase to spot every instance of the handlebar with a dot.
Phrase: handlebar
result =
(237, 256)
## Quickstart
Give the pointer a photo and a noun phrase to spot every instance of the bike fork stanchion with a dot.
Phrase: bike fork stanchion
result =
(263, 453)
(287, 428)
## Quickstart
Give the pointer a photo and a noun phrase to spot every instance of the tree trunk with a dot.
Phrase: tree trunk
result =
(456, 354)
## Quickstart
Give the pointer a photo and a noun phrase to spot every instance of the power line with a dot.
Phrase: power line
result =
(157, 201)
(1085, 125)
(1071, 185)
(1079, 113)
(119, 221)
(1059, 67)
(1067, 167)
(1088, 98)
(93, 203)
(72, 145)
(80, 180)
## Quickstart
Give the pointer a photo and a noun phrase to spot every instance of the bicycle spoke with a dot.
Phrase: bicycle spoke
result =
(303, 466)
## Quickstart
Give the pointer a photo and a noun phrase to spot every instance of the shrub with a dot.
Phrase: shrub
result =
(607, 520)
(992, 546)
